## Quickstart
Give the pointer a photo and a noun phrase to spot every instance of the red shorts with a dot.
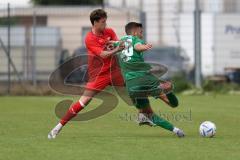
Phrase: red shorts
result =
(102, 81)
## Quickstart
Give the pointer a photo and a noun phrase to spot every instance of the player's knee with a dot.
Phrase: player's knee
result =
(85, 100)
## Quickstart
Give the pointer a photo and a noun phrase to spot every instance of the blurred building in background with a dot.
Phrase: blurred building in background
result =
(73, 22)
(26, 46)
(39, 35)
(171, 23)
(42, 33)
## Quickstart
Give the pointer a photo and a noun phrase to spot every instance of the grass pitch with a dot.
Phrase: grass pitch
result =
(26, 121)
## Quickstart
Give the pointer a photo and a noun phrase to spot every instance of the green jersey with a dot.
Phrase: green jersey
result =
(131, 61)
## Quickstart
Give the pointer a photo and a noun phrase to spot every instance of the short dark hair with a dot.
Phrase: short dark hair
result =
(97, 14)
(130, 26)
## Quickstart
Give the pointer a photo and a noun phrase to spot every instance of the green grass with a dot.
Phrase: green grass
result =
(26, 121)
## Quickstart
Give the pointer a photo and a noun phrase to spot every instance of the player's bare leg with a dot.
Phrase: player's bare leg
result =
(72, 112)
(167, 96)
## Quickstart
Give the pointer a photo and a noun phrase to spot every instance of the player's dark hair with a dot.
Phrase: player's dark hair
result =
(131, 26)
(97, 14)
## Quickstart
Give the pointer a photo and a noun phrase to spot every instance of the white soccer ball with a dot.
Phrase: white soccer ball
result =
(207, 129)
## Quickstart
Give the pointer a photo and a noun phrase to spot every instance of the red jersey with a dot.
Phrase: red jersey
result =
(95, 44)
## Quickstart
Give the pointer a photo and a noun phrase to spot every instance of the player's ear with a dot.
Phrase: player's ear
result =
(134, 33)
(94, 22)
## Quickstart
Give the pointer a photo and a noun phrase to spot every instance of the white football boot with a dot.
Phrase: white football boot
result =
(55, 131)
(144, 120)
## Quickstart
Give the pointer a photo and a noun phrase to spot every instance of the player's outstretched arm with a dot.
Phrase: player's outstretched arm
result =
(107, 53)
(142, 47)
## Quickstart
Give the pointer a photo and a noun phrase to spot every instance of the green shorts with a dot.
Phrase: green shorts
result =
(140, 88)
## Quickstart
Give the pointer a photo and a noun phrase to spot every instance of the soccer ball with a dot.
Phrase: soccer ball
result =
(207, 129)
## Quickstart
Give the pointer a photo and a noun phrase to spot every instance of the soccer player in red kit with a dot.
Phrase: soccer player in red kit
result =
(103, 69)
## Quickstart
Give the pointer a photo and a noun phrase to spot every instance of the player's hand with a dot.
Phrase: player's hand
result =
(121, 46)
(109, 47)
(147, 46)
(142, 47)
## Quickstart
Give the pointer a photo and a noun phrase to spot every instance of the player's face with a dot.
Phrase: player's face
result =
(101, 24)
(139, 32)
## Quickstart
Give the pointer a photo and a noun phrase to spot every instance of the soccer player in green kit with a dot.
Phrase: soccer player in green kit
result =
(141, 83)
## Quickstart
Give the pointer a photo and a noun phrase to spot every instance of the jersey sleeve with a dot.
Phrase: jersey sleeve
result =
(136, 41)
(92, 46)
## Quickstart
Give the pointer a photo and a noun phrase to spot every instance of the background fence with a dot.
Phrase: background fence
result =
(35, 40)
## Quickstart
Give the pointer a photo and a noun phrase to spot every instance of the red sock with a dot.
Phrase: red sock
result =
(72, 112)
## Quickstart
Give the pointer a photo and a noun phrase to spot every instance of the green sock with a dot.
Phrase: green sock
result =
(162, 122)
(172, 99)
